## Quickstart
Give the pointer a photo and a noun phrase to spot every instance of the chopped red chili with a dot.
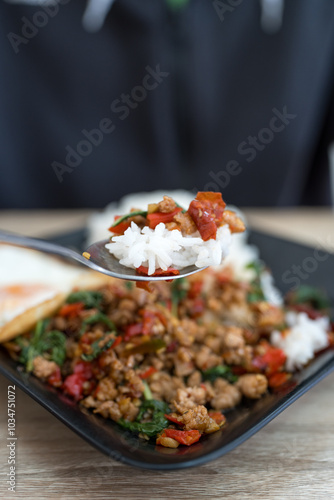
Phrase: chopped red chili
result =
(143, 270)
(278, 379)
(173, 419)
(218, 417)
(55, 378)
(71, 310)
(271, 361)
(206, 211)
(150, 371)
(183, 437)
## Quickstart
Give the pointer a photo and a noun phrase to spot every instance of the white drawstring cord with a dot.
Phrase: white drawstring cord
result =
(271, 15)
(95, 14)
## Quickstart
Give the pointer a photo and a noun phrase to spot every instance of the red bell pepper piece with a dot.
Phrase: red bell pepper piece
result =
(183, 437)
(121, 227)
(156, 217)
(71, 310)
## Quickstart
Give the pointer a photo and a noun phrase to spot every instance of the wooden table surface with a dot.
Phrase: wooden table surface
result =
(292, 457)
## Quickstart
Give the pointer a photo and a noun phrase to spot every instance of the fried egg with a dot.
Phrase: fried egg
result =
(34, 285)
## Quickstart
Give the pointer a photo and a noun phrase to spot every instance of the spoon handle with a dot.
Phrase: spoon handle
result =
(48, 247)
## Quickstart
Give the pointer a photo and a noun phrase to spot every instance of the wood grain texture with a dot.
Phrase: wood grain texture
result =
(292, 457)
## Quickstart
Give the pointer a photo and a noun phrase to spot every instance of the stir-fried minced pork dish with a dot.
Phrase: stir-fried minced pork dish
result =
(164, 237)
(167, 365)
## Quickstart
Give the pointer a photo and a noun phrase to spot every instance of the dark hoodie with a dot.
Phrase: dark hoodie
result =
(200, 98)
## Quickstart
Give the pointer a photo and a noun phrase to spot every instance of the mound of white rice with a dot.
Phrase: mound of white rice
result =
(305, 338)
(161, 248)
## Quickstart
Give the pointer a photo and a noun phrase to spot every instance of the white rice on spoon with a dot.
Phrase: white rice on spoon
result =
(161, 248)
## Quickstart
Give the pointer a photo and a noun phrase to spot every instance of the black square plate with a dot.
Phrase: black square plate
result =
(280, 255)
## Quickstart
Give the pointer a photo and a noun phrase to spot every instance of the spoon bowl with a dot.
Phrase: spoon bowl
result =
(100, 258)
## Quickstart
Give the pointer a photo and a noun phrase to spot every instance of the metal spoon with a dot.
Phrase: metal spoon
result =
(100, 258)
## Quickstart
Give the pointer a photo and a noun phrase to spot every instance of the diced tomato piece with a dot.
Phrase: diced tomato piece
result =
(147, 373)
(84, 369)
(71, 310)
(183, 437)
(156, 217)
(278, 379)
(218, 417)
(73, 385)
(132, 330)
(159, 272)
(271, 361)
(55, 378)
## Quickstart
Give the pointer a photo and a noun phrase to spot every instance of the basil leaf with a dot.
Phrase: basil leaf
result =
(154, 405)
(307, 294)
(158, 421)
(98, 349)
(42, 342)
(97, 318)
(221, 371)
(91, 299)
(256, 294)
(128, 216)
(151, 429)
(179, 290)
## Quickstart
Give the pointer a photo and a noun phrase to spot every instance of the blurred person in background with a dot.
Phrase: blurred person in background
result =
(102, 98)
